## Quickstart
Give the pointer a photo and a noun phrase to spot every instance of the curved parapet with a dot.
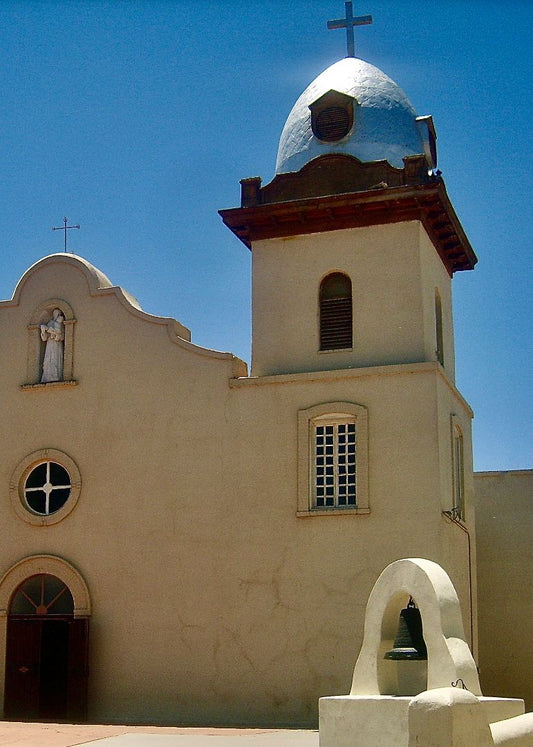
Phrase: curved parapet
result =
(98, 285)
(96, 279)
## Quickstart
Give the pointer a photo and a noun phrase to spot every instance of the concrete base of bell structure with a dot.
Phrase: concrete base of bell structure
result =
(383, 720)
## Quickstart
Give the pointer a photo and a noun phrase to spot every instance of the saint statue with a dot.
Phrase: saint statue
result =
(53, 335)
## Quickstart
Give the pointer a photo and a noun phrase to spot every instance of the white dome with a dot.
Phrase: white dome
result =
(385, 123)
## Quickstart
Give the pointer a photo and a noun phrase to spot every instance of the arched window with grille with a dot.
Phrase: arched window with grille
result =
(458, 472)
(335, 302)
(439, 338)
(333, 459)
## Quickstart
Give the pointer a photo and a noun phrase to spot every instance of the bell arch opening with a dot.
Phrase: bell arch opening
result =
(402, 665)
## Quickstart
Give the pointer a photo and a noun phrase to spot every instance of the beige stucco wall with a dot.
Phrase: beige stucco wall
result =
(394, 270)
(211, 600)
(504, 518)
(435, 277)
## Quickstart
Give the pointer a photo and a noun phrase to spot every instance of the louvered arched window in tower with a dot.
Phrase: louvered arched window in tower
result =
(335, 299)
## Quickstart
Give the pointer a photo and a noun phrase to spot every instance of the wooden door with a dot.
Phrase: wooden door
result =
(78, 670)
(53, 680)
(46, 654)
(23, 669)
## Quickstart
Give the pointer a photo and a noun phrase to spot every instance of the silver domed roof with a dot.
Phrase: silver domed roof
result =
(385, 124)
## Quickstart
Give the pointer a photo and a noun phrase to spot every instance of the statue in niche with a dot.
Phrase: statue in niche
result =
(53, 334)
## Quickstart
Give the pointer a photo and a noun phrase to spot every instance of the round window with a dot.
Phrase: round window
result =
(45, 487)
(332, 123)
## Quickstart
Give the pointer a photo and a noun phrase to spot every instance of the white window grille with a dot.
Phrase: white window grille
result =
(333, 459)
(47, 488)
(335, 468)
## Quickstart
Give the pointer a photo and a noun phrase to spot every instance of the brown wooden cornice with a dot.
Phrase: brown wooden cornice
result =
(295, 204)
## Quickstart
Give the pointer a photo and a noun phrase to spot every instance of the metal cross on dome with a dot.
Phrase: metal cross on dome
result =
(348, 23)
(64, 228)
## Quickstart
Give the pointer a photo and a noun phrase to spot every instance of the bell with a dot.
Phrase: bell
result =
(408, 642)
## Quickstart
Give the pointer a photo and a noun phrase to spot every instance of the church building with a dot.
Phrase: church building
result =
(188, 541)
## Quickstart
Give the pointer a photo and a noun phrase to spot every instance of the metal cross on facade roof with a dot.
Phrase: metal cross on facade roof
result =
(348, 23)
(64, 228)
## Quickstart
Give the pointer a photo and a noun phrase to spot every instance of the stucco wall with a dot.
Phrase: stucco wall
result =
(504, 520)
(435, 278)
(393, 319)
(211, 600)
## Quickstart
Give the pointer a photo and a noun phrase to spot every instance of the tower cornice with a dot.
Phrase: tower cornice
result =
(339, 192)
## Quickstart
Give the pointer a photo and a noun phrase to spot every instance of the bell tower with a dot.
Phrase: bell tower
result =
(354, 246)
(355, 241)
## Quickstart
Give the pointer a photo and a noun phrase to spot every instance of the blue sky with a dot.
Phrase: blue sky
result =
(136, 119)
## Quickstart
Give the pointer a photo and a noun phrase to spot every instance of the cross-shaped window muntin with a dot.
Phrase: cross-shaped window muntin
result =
(334, 463)
(47, 488)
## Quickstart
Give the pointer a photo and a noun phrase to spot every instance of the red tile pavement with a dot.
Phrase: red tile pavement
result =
(65, 735)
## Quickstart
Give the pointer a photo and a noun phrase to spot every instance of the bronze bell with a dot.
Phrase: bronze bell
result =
(409, 643)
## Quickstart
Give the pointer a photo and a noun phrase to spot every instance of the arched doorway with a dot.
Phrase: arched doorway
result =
(46, 645)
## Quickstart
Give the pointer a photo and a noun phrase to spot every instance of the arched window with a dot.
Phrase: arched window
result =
(333, 459)
(439, 340)
(458, 473)
(42, 594)
(335, 299)
(334, 452)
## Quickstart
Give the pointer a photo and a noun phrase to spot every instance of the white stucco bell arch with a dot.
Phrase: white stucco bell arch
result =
(449, 656)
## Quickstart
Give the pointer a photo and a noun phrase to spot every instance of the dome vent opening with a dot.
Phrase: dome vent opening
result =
(332, 124)
(332, 116)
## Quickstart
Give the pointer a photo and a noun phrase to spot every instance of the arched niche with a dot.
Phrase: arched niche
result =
(41, 315)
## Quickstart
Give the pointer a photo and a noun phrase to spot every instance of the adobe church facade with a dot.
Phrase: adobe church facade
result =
(188, 542)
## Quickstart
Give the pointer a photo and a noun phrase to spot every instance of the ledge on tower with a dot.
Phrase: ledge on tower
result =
(338, 191)
(334, 174)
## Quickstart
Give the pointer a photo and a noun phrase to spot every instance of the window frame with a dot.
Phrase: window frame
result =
(17, 492)
(458, 470)
(326, 414)
(439, 329)
(345, 302)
